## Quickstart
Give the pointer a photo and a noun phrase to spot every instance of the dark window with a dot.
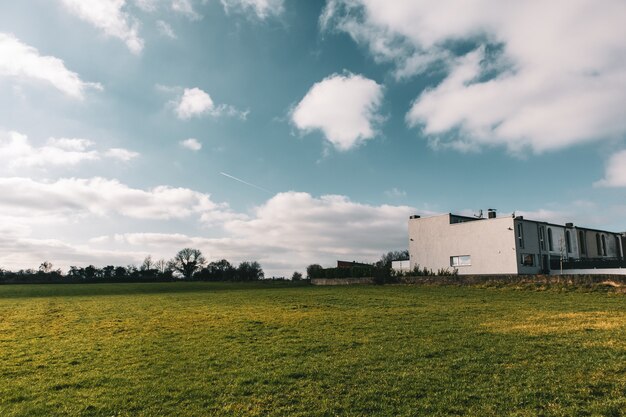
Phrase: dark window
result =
(581, 242)
(598, 244)
(568, 242)
(542, 238)
(603, 245)
(528, 259)
(520, 234)
(550, 244)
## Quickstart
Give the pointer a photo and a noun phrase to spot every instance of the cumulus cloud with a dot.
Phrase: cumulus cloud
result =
(192, 144)
(195, 102)
(287, 232)
(17, 152)
(110, 17)
(615, 175)
(22, 61)
(292, 230)
(27, 252)
(344, 107)
(539, 76)
(100, 197)
(260, 8)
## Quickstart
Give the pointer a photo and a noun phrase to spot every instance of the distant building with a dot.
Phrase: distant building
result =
(401, 266)
(352, 264)
(508, 245)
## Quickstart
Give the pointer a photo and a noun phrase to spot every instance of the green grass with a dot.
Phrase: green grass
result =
(191, 349)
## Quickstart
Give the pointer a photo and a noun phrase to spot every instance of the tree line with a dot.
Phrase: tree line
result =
(188, 264)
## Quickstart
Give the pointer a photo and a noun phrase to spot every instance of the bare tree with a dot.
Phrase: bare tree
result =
(147, 264)
(187, 262)
(161, 265)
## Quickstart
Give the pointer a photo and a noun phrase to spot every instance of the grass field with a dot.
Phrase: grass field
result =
(192, 349)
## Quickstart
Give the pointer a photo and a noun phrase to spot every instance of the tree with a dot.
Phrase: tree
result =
(387, 258)
(297, 276)
(45, 267)
(187, 262)
(313, 271)
(161, 266)
(147, 264)
(220, 270)
(249, 271)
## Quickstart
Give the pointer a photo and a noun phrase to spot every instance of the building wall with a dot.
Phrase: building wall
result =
(489, 242)
(528, 245)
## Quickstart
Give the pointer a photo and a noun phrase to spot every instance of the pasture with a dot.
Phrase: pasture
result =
(193, 349)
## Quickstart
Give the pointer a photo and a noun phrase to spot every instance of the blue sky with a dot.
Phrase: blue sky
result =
(121, 118)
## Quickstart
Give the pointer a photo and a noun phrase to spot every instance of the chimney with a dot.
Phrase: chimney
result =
(491, 213)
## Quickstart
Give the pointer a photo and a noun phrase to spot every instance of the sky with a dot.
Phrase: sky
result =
(295, 132)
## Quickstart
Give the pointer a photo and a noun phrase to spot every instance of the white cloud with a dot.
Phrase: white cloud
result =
(100, 197)
(27, 252)
(110, 17)
(192, 144)
(287, 232)
(395, 193)
(261, 8)
(292, 230)
(344, 107)
(165, 29)
(147, 5)
(195, 102)
(16, 152)
(24, 62)
(615, 175)
(185, 7)
(121, 154)
(541, 76)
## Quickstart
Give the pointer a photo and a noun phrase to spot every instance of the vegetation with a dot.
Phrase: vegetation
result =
(188, 264)
(276, 348)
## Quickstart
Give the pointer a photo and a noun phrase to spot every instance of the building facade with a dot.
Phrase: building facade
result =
(505, 245)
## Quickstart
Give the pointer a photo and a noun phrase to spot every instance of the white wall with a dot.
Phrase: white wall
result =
(489, 242)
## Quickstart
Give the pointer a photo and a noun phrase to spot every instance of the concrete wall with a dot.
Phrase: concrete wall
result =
(489, 242)
(341, 281)
(598, 271)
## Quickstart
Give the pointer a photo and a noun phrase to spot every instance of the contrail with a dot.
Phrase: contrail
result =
(245, 182)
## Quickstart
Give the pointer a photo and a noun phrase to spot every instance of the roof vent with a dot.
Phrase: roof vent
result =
(491, 213)
(414, 216)
(569, 224)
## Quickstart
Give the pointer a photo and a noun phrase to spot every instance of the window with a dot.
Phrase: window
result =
(542, 238)
(528, 259)
(581, 242)
(568, 242)
(520, 234)
(598, 244)
(464, 260)
(603, 245)
(550, 244)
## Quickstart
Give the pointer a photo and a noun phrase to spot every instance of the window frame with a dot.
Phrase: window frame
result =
(523, 260)
(468, 262)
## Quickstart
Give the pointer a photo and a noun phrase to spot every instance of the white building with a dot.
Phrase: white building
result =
(506, 245)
